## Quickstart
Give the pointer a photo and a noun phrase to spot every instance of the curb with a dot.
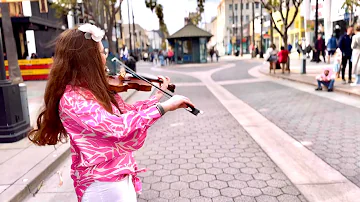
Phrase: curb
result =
(339, 90)
(35, 176)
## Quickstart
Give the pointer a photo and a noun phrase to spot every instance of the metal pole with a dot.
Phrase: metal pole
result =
(135, 37)
(317, 56)
(241, 27)
(271, 29)
(253, 29)
(261, 30)
(140, 45)
(2, 66)
(233, 27)
(129, 26)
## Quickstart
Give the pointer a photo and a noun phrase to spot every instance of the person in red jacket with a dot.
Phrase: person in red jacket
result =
(283, 59)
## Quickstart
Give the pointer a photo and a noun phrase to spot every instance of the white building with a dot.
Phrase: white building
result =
(155, 39)
(227, 27)
(139, 39)
(330, 14)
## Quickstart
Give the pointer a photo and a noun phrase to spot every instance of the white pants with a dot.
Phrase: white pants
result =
(122, 191)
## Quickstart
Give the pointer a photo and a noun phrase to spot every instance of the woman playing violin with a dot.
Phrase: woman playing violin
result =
(104, 131)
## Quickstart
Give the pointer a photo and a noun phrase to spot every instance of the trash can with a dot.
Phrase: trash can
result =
(24, 102)
(131, 63)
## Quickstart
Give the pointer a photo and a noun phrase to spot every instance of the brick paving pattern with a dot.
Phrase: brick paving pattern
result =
(208, 158)
(175, 78)
(331, 127)
(240, 71)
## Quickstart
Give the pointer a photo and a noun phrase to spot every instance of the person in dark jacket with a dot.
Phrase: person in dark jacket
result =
(345, 47)
(319, 48)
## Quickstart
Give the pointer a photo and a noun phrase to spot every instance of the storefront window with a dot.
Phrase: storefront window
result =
(179, 51)
(203, 54)
(187, 48)
(16, 9)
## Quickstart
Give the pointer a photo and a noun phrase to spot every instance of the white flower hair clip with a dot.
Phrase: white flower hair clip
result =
(92, 32)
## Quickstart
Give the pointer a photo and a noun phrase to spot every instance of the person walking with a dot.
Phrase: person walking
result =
(298, 48)
(319, 49)
(271, 57)
(171, 56)
(211, 52)
(331, 47)
(355, 45)
(345, 47)
(283, 57)
(103, 130)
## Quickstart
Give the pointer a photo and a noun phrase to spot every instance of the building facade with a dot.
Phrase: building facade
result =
(139, 39)
(228, 24)
(155, 40)
(212, 28)
(35, 28)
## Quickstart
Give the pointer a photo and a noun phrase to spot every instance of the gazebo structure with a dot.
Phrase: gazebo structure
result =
(189, 44)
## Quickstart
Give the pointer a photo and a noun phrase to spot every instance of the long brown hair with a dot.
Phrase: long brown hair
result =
(77, 62)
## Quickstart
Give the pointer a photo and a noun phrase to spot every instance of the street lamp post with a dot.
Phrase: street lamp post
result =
(13, 123)
(261, 30)
(241, 27)
(253, 29)
(316, 56)
(232, 41)
(116, 37)
(129, 26)
(233, 27)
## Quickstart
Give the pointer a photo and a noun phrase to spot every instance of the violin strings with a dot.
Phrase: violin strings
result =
(193, 111)
(141, 78)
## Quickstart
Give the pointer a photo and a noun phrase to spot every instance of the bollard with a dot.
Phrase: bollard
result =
(303, 69)
(24, 102)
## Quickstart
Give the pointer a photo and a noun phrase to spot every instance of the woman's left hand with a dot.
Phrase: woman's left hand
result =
(164, 85)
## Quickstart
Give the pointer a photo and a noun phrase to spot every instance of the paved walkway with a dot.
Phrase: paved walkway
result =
(314, 177)
(312, 70)
(241, 149)
(208, 158)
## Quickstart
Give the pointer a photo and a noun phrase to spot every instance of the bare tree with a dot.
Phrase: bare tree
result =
(101, 12)
(283, 8)
(10, 45)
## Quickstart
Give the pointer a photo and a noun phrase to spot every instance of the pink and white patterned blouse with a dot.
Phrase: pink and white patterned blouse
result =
(102, 143)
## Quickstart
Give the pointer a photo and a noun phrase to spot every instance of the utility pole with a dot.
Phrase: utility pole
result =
(261, 30)
(117, 38)
(129, 26)
(271, 29)
(316, 28)
(253, 29)
(14, 122)
(233, 28)
(241, 27)
(121, 29)
(135, 38)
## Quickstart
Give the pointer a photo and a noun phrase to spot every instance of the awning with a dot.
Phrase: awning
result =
(38, 21)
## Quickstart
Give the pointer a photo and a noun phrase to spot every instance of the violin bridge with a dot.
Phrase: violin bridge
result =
(122, 72)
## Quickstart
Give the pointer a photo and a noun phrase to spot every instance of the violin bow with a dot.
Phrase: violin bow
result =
(192, 109)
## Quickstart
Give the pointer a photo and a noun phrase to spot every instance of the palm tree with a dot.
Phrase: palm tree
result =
(350, 5)
(152, 4)
(10, 45)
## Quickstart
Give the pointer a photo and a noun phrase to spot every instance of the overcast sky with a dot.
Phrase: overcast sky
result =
(174, 13)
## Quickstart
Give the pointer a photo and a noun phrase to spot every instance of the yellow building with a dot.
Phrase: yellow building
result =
(295, 33)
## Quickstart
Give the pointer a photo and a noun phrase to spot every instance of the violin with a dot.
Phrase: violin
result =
(122, 83)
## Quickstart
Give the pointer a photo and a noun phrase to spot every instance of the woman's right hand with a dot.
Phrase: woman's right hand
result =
(176, 102)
